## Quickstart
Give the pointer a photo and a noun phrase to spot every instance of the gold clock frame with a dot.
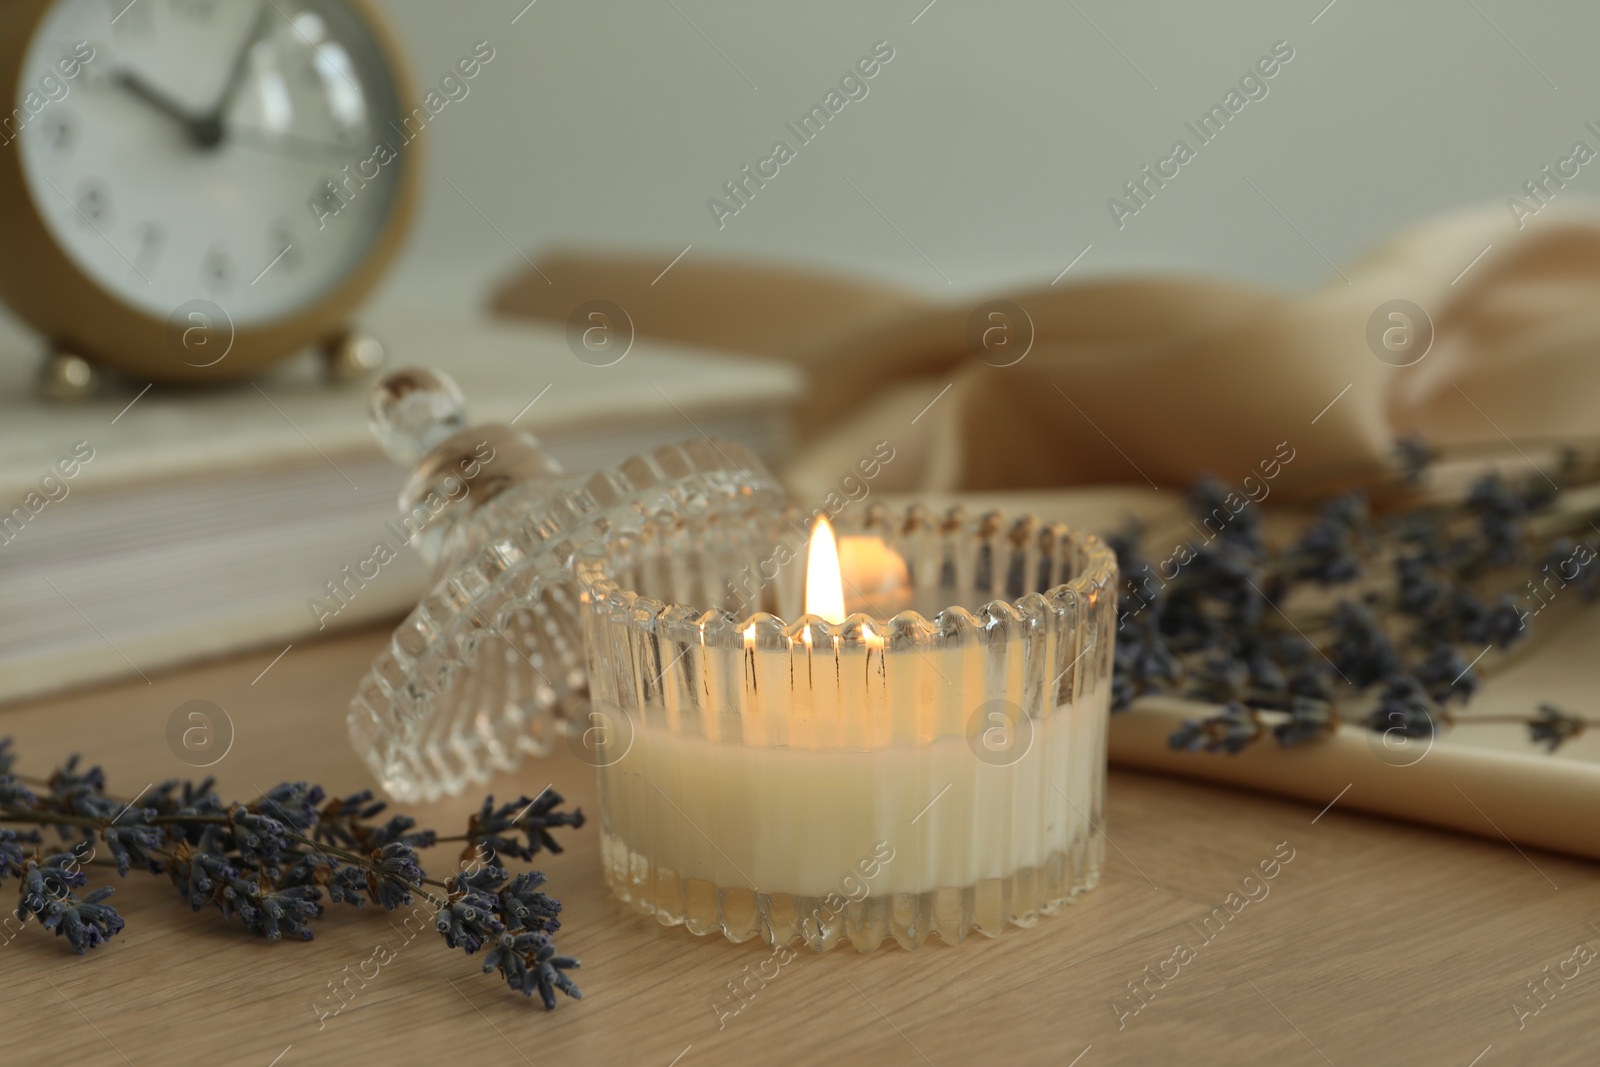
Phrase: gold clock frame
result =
(46, 289)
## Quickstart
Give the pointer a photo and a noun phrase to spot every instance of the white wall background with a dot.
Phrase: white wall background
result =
(991, 141)
(994, 137)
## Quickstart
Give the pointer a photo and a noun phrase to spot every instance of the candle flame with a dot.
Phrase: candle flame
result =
(824, 586)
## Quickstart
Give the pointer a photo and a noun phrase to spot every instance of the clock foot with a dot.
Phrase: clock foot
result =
(350, 356)
(66, 377)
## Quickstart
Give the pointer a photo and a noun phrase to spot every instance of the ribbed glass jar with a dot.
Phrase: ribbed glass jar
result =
(933, 772)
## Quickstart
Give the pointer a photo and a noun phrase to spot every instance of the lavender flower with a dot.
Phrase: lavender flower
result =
(1260, 659)
(1404, 707)
(66, 780)
(467, 921)
(524, 907)
(529, 963)
(1569, 566)
(1142, 662)
(1414, 456)
(192, 800)
(335, 823)
(13, 794)
(1221, 678)
(344, 822)
(12, 856)
(200, 875)
(1309, 720)
(1393, 656)
(1447, 675)
(1553, 727)
(55, 873)
(1328, 551)
(240, 896)
(345, 883)
(1419, 588)
(279, 911)
(84, 923)
(46, 883)
(292, 803)
(1361, 650)
(136, 844)
(1229, 732)
(533, 818)
(1242, 527)
(259, 838)
(396, 873)
(259, 865)
(82, 795)
(1499, 508)
(485, 879)
(1501, 625)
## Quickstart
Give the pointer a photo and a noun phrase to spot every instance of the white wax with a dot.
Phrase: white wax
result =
(796, 820)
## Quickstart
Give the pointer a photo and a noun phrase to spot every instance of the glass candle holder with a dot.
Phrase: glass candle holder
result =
(489, 665)
(925, 773)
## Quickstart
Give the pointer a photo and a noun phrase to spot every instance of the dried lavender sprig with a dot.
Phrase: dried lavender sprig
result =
(1214, 632)
(267, 863)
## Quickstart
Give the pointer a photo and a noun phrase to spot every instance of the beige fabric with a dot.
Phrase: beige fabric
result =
(1150, 379)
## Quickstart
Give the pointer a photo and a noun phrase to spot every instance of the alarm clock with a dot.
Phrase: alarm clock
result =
(191, 190)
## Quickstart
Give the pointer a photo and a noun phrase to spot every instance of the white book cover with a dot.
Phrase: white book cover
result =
(143, 530)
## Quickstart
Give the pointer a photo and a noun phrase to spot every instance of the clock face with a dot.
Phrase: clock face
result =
(241, 152)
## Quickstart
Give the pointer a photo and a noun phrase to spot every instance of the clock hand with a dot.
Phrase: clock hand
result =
(192, 125)
(235, 81)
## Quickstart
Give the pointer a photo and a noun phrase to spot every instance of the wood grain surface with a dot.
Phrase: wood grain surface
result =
(1377, 943)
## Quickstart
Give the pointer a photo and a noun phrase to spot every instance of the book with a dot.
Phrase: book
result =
(144, 530)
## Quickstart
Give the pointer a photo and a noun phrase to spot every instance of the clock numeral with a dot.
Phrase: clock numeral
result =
(57, 131)
(217, 269)
(281, 242)
(93, 203)
(151, 240)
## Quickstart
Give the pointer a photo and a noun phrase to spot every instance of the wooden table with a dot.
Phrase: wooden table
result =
(1378, 943)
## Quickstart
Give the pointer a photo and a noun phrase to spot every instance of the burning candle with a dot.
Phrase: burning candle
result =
(824, 583)
(847, 776)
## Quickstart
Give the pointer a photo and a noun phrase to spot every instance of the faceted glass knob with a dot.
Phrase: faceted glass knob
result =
(412, 409)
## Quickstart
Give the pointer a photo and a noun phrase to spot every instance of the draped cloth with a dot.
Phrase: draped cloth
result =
(1462, 330)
